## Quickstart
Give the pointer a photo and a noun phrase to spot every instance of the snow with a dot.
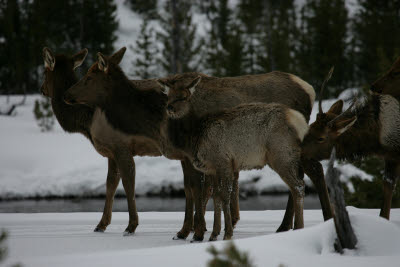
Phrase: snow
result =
(58, 164)
(66, 239)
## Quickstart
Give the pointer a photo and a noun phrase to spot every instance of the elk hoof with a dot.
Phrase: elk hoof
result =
(227, 237)
(179, 236)
(283, 228)
(196, 239)
(127, 233)
(98, 230)
(213, 238)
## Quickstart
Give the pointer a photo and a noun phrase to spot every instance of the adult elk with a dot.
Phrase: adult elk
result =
(59, 76)
(389, 84)
(372, 128)
(248, 136)
(125, 107)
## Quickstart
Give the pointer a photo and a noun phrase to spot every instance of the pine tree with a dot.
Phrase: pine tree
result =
(181, 47)
(323, 42)
(278, 36)
(376, 28)
(146, 8)
(145, 65)
(225, 46)
(44, 114)
(98, 24)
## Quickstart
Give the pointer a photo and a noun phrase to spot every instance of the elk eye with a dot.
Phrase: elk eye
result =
(321, 139)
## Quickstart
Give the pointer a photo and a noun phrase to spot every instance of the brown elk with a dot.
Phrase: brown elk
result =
(125, 106)
(389, 84)
(372, 128)
(245, 137)
(59, 76)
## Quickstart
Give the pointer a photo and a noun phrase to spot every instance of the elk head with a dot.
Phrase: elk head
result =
(60, 65)
(390, 82)
(179, 95)
(95, 87)
(323, 133)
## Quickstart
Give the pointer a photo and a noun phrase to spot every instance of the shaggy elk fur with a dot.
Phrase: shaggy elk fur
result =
(126, 107)
(248, 136)
(389, 84)
(372, 128)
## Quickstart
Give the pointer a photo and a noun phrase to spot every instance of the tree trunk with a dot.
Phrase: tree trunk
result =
(346, 237)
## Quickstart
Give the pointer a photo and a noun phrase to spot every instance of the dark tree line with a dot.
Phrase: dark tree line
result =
(27, 26)
(253, 36)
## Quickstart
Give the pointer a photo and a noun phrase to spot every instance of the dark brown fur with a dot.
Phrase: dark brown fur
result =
(362, 139)
(389, 83)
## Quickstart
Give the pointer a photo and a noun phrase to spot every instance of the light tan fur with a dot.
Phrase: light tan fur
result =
(306, 86)
(389, 118)
(298, 122)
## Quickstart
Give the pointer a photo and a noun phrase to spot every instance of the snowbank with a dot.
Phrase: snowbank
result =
(58, 164)
(67, 240)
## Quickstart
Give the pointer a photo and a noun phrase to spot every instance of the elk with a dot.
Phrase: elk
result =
(371, 128)
(389, 83)
(126, 106)
(248, 136)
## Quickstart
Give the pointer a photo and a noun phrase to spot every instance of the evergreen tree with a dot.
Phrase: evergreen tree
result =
(323, 42)
(225, 44)
(67, 26)
(145, 65)
(146, 8)
(278, 36)
(376, 31)
(181, 47)
(44, 114)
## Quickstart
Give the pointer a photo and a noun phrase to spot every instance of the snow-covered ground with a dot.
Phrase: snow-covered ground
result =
(58, 164)
(51, 239)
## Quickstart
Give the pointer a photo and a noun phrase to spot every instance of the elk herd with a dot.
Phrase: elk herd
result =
(217, 127)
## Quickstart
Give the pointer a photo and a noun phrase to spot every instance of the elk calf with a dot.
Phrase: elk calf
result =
(245, 137)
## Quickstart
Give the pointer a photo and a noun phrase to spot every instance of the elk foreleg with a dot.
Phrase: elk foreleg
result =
(126, 167)
(392, 172)
(315, 171)
(111, 186)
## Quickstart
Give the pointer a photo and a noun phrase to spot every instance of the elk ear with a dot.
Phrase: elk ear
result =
(343, 125)
(79, 57)
(117, 56)
(102, 62)
(337, 107)
(193, 84)
(49, 59)
(164, 86)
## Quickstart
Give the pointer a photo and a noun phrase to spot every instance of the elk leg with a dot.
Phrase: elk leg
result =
(111, 186)
(298, 202)
(126, 167)
(389, 184)
(287, 222)
(217, 219)
(188, 221)
(235, 213)
(223, 187)
(200, 223)
(315, 171)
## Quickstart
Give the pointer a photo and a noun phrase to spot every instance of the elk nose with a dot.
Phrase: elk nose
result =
(68, 99)
(170, 108)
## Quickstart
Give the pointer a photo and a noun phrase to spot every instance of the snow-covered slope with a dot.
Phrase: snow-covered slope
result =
(67, 240)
